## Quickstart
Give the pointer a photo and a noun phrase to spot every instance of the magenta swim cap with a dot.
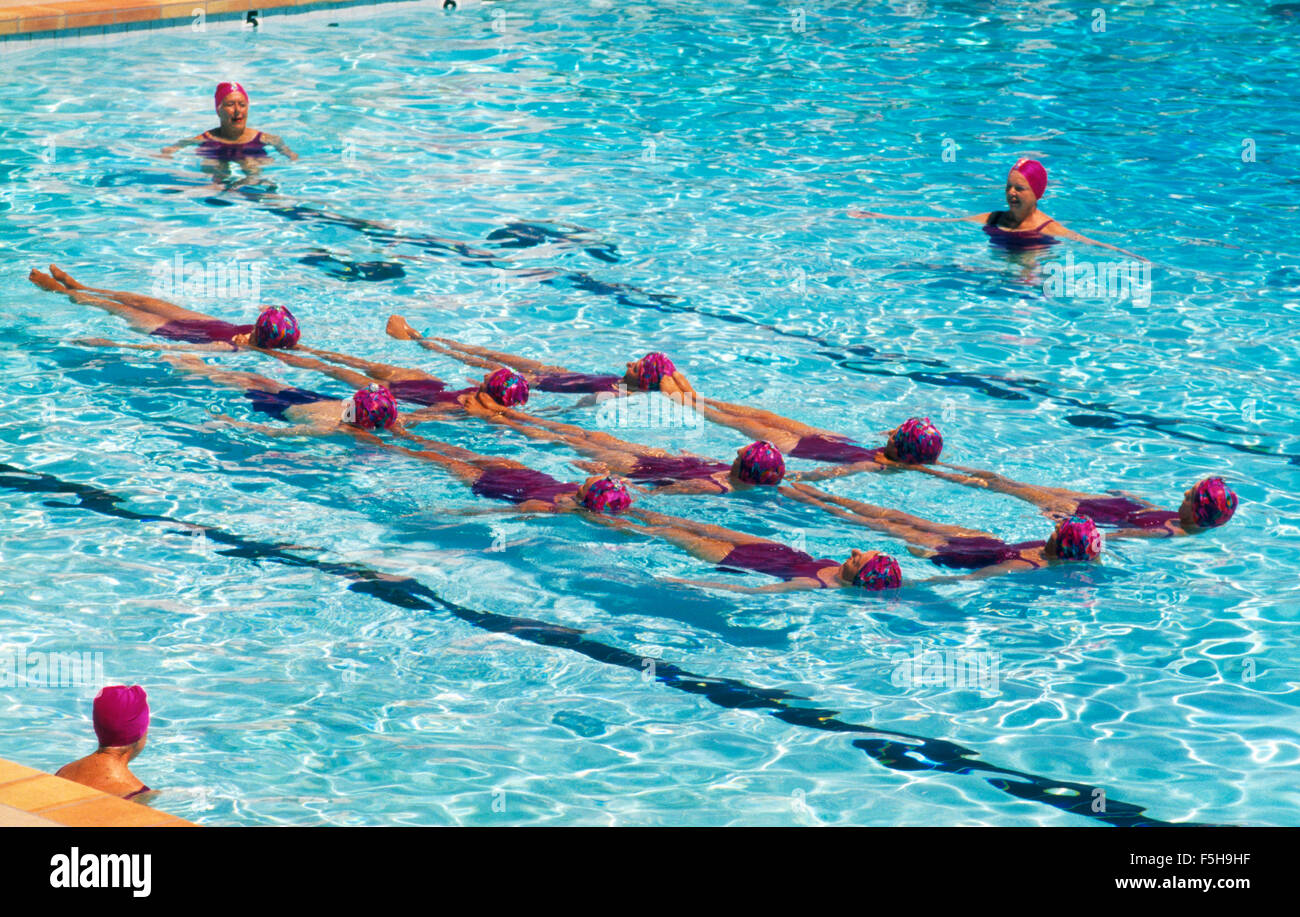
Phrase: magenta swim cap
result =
(1077, 538)
(1034, 174)
(608, 495)
(372, 408)
(917, 441)
(225, 89)
(761, 463)
(881, 572)
(121, 715)
(652, 368)
(276, 327)
(1213, 502)
(507, 387)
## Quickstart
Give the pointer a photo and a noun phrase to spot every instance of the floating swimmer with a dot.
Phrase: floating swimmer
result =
(233, 140)
(653, 372)
(1207, 504)
(274, 329)
(121, 720)
(1022, 224)
(734, 550)
(1074, 537)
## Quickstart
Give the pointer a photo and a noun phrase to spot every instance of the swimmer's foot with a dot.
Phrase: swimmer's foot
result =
(46, 283)
(63, 278)
(399, 328)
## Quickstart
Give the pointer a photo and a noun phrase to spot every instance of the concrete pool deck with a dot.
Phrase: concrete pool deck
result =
(23, 21)
(32, 798)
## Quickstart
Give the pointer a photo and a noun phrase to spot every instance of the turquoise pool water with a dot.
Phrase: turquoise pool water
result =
(709, 155)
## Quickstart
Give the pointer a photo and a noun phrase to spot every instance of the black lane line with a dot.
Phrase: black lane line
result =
(898, 751)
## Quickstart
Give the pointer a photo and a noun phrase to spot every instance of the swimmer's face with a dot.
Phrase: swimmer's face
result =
(633, 375)
(234, 110)
(1020, 197)
(850, 568)
(891, 448)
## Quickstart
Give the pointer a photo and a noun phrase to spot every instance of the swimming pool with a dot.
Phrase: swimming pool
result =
(709, 156)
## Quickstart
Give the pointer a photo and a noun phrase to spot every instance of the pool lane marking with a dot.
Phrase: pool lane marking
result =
(898, 751)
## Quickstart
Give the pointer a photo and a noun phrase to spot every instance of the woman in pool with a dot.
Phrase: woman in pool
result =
(758, 464)
(121, 721)
(653, 372)
(1074, 537)
(1022, 224)
(734, 550)
(274, 329)
(1207, 504)
(233, 140)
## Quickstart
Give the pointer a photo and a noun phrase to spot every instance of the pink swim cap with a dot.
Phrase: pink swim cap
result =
(1213, 502)
(276, 328)
(761, 463)
(507, 387)
(372, 408)
(121, 715)
(225, 89)
(1077, 538)
(651, 369)
(917, 441)
(608, 495)
(1034, 174)
(881, 572)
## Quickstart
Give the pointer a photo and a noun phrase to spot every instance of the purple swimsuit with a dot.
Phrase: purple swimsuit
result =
(830, 449)
(1008, 238)
(139, 792)
(518, 485)
(200, 330)
(420, 391)
(1120, 511)
(669, 469)
(574, 382)
(211, 148)
(777, 560)
(972, 553)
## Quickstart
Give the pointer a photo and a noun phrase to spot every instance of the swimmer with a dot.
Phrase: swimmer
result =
(734, 550)
(1022, 224)
(758, 464)
(121, 721)
(653, 372)
(1207, 504)
(275, 327)
(530, 491)
(233, 140)
(1073, 538)
(311, 413)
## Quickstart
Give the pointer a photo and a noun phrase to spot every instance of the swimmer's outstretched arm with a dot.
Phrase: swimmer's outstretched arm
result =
(694, 538)
(802, 584)
(347, 376)
(491, 358)
(182, 144)
(872, 215)
(283, 148)
(1061, 232)
(1054, 498)
(909, 528)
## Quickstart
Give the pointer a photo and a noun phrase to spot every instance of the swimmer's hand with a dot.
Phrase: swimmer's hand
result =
(868, 215)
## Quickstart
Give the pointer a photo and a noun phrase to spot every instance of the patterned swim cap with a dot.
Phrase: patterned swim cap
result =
(918, 441)
(372, 408)
(1077, 538)
(276, 327)
(1213, 502)
(881, 572)
(608, 495)
(652, 368)
(761, 463)
(507, 387)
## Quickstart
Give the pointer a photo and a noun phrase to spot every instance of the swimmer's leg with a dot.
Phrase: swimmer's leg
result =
(167, 311)
(140, 320)
(376, 371)
(230, 378)
(346, 376)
